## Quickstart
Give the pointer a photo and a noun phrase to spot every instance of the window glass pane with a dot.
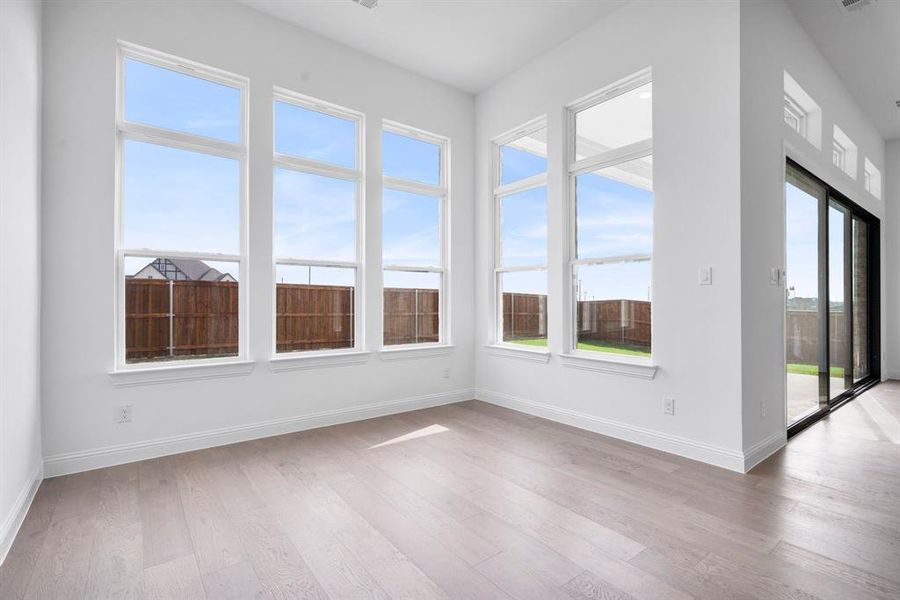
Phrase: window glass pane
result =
(838, 319)
(165, 98)
(314, 135)
(614, 210)
(411, 229)
(315, 217)
(524, 298)
(524, 157)
(409, 158)
(412, 307)
(860, 266)
(613, 307)
(523, 228)
(178, 308)
(618, 122)
(314, 308)
(180, 200)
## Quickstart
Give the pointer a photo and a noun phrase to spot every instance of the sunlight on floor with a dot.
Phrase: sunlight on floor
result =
(425, 431)
(889, 425)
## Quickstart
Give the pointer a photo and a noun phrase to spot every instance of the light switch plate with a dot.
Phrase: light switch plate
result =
(704, 276)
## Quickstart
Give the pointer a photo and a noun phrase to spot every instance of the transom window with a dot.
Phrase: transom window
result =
(611, 183)
(318, 210)
(181, 235)
(520, 235)
(414, 236)
(872, 178)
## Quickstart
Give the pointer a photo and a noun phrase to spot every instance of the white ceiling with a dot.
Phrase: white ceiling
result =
(468, 44)
(864, 48)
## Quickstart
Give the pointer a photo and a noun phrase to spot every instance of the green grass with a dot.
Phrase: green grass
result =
(801, 369)
(626, 349)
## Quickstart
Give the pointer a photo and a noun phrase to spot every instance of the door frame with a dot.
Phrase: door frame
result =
(873, 250)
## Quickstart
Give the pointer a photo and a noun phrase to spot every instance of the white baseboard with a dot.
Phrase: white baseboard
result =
(762, 450)
(86, 460)
(707, 453)
(16, 516)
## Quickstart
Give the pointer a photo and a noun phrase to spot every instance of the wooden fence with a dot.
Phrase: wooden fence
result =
(803, 337)
(620, 321)
(180, 319)
(524, 316)
(166, 319)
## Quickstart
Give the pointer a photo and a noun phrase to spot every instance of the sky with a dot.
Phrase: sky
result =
(802, 260)
(188, 201)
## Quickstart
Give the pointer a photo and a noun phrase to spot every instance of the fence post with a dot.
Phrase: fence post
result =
(417, 314)
(171, 318)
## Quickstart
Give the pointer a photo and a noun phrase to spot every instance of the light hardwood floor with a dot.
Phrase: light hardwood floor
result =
(474, 501)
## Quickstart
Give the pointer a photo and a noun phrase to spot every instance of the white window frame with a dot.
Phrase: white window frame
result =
(325, 169)
(442, 192)
(501, 191)
(871, 178)
(793, 109)
(126, 130)
(576, 167)
(838, 155)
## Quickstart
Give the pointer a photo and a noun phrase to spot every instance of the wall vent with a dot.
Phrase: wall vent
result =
(374, 3)
(849, 6)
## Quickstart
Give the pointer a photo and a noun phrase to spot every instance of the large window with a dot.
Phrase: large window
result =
(520, 234)
(414, 236)
(317, 188)
(611, 182)
(181, 231)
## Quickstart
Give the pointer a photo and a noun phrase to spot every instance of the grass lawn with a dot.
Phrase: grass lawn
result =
(626, 349)
(801, 369)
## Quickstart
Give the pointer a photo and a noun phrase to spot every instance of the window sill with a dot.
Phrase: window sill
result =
(641, 368)
(510, 351)
(316, 360)
(414, 352)
(172, 373)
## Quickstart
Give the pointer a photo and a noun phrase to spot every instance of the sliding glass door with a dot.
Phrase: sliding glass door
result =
(831, 341)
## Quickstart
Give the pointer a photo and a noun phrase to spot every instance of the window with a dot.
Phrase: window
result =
(801, 113)
(872, 178)
(181, 241)
(843, 152)
(794, 116)
(520, 249)
(318, 214)
(611, 184)
(414, 236)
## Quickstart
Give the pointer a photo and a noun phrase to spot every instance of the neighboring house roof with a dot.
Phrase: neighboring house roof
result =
(182, 269)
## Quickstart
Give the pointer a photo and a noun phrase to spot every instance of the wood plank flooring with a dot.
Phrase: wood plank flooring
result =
(474, 501)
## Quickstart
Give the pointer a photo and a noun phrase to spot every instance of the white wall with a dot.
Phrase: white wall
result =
(20, 167)
(78, 265)
(891, 234)
(773, 41)
(693, 49)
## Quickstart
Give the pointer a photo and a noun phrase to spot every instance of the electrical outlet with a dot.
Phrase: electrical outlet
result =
(762, 408)
(447, 373)
(122, 414)
(669, 406)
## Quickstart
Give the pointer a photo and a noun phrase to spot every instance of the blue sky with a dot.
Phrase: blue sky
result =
(187, 201)
(802, 259)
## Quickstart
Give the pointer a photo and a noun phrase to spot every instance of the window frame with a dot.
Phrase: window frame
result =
(323, 169)
(442, 192)
(573, 168)
(160, 136)
(793, 108)
(499, 191)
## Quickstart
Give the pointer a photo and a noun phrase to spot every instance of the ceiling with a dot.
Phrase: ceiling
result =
(864, 48)
(467, 44)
